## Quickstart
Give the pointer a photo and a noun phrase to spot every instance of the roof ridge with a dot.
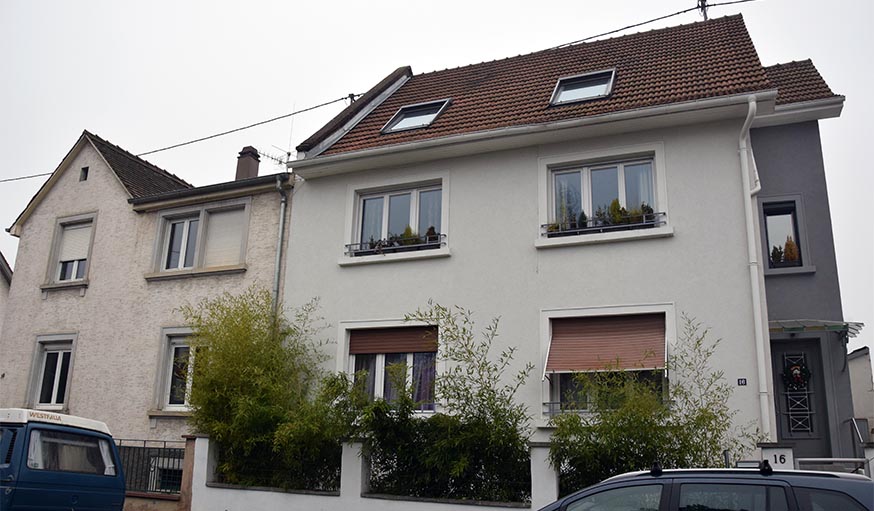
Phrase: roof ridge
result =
(149, 165)
(790, 63)
(583, 43)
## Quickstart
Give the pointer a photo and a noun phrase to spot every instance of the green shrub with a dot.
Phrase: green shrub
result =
(478, 449)
(256, 392)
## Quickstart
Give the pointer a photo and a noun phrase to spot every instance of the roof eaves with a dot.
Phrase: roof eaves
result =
(351, 111)
(5, 269)
(241, 184)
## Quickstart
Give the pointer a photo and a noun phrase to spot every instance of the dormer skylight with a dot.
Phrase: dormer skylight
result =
(583, 87)
(411, 117)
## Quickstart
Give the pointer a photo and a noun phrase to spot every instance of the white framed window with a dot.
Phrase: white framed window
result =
(584, 87)
(71, 249)
(379, 383)
(399, 220)
(53, 372)
(420, 115)
(603, 195)
(210, 236)
(178, 362)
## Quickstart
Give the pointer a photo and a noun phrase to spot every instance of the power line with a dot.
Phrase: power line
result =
(24, 177)
(174, 146)
(684, 11)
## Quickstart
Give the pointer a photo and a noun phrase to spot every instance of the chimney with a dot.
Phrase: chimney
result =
(247, 163)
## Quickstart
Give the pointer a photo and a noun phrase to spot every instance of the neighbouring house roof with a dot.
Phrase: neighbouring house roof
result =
(797, 82)
(5, 270)
(672, 65)
(200, 194)
(858, 352)
(138, 177)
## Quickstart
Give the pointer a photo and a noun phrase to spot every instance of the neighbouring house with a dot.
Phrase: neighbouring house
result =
(109, 249)
(5, 282)
(862, 383)
(589, 195)
(808, 334)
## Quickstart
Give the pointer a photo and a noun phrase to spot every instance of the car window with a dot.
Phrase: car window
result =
(69, 452)
(628, 498)
(732, 497)
(810, 499)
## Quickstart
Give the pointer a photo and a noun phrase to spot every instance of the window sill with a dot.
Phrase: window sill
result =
(169, 414)
(197, 272)
(52, 408)
(397, 256)
(664, 231)
(76, 284)
(793, 270)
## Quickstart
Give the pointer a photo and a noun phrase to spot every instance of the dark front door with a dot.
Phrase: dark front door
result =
(802, 416)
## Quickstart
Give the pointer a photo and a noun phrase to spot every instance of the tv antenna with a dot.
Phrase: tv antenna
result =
(702, 6)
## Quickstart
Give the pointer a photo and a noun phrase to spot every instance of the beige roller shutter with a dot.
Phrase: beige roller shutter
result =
(415, 339)
(224, 238)
(74, 242)
(617, 342)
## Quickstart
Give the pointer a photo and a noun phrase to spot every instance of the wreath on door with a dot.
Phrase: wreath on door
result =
(796, 375)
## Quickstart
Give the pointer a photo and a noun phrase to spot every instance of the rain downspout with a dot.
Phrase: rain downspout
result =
(748, 192)
(283, 202)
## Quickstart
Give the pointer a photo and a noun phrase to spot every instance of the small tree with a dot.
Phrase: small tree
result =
(790, 250)
(254, 371)
(632, 425)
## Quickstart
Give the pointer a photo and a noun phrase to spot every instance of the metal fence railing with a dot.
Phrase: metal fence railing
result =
(152, 466)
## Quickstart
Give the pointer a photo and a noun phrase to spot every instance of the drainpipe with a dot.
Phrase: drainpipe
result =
(752, 252)
(283, 202)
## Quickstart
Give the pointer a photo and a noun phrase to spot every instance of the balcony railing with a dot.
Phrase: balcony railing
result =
(396, 244)
(596, 225)
(152, 466)
(553, 408)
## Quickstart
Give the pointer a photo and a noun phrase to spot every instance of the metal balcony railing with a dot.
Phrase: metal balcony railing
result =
(396, 244)
(152, 466)
(595, 225)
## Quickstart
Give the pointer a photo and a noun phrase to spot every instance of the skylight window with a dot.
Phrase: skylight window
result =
(583, 87)
(410, 117)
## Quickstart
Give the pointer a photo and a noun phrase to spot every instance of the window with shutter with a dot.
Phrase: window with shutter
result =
(211, 236)
(73, 244)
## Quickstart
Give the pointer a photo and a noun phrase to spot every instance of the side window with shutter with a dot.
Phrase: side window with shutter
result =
(73, 249)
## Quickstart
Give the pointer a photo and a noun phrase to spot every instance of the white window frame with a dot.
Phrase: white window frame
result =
(386, 198)
(547, 315)
(172, 339)
(556, 92)
(401, 114)
(586, 183)
(56, 343)
(346, 361)
(379, 377)
(377, 185)
(54, 270)
(202, 214)
(548, 166)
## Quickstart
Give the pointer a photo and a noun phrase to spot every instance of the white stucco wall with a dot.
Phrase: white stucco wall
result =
(118, 320)
(4, 299)
(495, 269)
(862, 385)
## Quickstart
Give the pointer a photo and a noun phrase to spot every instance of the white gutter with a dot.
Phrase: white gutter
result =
(283, 201)
(752, 252)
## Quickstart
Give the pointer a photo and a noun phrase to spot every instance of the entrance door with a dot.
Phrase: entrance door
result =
(800, 396)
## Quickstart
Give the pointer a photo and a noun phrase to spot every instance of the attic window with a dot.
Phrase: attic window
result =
(83, 174)
(583, 87)
(411, 117)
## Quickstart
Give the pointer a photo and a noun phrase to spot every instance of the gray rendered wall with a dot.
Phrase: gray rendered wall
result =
(789, 160)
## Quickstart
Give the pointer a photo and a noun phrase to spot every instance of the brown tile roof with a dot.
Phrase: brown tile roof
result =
(138, 176)
(797, 82)
(683, 63)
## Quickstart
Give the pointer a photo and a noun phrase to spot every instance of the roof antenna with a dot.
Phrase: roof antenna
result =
(765, 468)
(656, 469)
(702, 6)
(351, 98)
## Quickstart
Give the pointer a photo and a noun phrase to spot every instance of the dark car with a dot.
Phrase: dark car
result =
(724, 490)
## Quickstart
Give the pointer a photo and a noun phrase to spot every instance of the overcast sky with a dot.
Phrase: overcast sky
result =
(146, 75)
